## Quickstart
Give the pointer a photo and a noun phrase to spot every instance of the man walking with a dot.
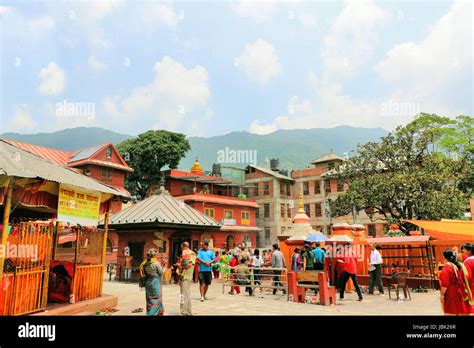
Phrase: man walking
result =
(205, 257)
(278, 261)
(375, 270)
(319, 256)
(186, 277)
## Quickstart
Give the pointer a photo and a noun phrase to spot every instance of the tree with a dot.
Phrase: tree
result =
(147, 154)
(408, 174)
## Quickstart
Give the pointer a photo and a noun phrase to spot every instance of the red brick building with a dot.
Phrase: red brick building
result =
(236, 215)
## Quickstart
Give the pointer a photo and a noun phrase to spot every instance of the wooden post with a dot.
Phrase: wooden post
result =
(6, 218)
(104, 248)
(55, 240)
(78, 244)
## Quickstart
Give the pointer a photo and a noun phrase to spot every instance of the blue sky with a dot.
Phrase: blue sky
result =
(208, 68)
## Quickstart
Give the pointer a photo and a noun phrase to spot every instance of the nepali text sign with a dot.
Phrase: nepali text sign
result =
(78, 206)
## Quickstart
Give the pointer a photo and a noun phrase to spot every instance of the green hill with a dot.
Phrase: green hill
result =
(70, 139)
(295, 148)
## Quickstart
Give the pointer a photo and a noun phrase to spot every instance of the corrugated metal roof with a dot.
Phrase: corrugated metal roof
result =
(15, 161)
(272, 173)
(162, 209)
(52, 155)
(208, 198)
(85, 153)
(326, 158)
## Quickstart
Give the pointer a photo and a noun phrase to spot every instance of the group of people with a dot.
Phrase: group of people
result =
(456, 281)
(240, 264)
(456, 276)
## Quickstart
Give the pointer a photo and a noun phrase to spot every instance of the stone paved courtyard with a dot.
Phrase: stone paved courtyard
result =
(130, 297)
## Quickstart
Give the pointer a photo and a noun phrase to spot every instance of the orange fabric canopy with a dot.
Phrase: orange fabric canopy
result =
(446, 229)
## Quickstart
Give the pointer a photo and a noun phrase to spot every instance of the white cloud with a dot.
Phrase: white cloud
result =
(21, 121)
(96, 64)
(154, 13)
(176, 96)
(257, 127)
(307, 20)
(52, 79)
(5, 10)
(260, 11)
(260, 61)
(44, 23)
(441, 56)
(351, 39)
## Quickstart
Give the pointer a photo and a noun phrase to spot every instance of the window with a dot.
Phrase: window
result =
(318, 211)
(266, 189)
(307, 209)
(246, 191)
(317, 187)
(245, 218)
(305, 188)
(228, 214)
(108, 248)
(209, 212)
(266, 210)
(230, 242)
(283, 229)
(267, 235)
(288, 210)
(331, 166)
(106, 173)
(288, 190)
(255, 190)
(371, 230)
(282, 210)
(257, 213)
(340, 186)
(282, 188)
(327, 185)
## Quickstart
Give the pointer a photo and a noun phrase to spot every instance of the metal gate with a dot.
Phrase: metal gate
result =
(24, 286)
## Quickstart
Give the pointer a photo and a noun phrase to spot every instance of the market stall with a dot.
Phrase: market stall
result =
(38, 198)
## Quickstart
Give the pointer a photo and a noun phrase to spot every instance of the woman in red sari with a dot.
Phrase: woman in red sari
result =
(453, 286)
(468, 257)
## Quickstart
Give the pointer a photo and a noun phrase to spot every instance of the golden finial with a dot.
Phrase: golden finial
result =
(300, 205)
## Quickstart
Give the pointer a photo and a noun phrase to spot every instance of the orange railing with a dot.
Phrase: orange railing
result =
(87, 280)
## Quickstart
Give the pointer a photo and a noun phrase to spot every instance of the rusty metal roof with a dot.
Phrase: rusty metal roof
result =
(162, 208)
(15, 161)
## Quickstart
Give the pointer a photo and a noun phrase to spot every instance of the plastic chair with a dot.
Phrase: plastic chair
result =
(399, 280)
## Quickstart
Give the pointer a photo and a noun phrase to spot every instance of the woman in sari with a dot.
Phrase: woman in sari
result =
(151, 272)
(453, 286)
(224, 265)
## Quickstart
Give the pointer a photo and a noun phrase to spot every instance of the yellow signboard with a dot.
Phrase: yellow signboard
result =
(78, 206)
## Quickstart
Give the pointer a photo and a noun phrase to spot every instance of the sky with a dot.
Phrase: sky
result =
(209, 68)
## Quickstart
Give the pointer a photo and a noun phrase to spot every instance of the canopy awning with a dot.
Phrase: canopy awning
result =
(446, 229)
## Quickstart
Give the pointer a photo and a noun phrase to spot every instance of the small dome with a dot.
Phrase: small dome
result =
(196, 168)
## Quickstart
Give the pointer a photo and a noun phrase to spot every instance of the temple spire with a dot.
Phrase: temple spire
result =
(300, 204)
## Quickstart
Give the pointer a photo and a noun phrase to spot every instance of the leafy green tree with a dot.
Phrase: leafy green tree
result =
(147, 154)
(408, 174)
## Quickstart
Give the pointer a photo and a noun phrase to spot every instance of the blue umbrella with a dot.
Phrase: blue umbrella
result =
(317, 237)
